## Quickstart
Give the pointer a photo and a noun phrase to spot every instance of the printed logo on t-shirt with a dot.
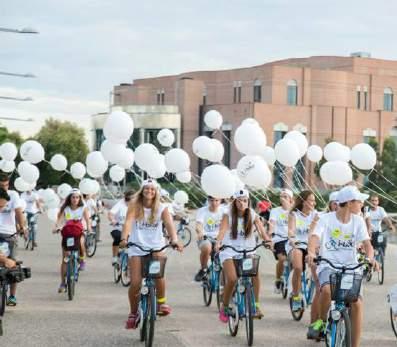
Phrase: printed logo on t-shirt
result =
(212, 225)
(143, 225)
(340, 240)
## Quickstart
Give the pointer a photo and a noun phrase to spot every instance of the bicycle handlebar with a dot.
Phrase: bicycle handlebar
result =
(262, 244)
(344, 268)
(150, 250)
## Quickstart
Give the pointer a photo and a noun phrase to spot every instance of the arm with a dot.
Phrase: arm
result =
(199, 230)
(389, 223)
(314, 242)
(313, 224)
(291, 228)
(222, 231)
(369, 251)
(271, 225)
(20, 218)
(129, 219)
(259, 226)
(7, 262)
(368, 225)
(170, 227)
(86, 216)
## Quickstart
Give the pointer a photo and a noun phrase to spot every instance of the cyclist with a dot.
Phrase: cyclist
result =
(278, 225)
(299, 220)
(237, 230)
(264, 209)
(117, 216)
(208, 221)
(337, 234)
(71, 217)
(333, 202)
(4, 259)
(11, 216)
(33, 207)
(144, 224)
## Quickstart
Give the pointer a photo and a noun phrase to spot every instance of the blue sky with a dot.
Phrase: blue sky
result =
(87, 46)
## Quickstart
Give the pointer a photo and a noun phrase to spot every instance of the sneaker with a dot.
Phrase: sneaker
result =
(62, 288)
(258, 314)
(224, 314)
(200, 275)
(296, 303)
(35, 244)
(163, 309)
(82, 265)
(315, 330)
(11, 301)
(115, 260)
(132, 321)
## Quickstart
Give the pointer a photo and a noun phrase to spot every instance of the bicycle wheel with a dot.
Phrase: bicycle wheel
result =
(185, 235)
(70, 277)
(116, 273)
(151, 310)
(339, 332)
(249, 311)
(381, 260)
(125, 271)
(143, 305)
(310, 287)
(207, 290)
(91, 245)
(217, 289)
(297, 315)
(393, 320)
(234, 317)
(3, 297)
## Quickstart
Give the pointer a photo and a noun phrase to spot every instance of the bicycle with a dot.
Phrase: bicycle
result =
(184, 233)
(72, 265)
(392, 299)
(91, 238)
(32, 227)
(286, 272)
(379, 240)
(345, 289)
(152, 269)
(121, 269)
(211, 281)
(243, 300)
(308, 286)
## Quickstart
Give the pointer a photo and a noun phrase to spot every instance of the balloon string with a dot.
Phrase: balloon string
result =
(385, 178)
(176, 188)
(101, 180)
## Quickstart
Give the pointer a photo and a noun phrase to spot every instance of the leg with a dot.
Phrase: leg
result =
(82, 247)
(205, 254)
(297, 265)
(325, 301)
(231, 278)
(280, 265)
(315, 307)
(136, 281)
(357, 321)
(257, 285)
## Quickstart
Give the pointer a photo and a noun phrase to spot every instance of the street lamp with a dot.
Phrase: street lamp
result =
(25, 75)
(20, 31)
(16, 99)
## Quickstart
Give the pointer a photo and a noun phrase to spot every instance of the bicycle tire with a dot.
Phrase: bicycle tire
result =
(234, 319)
(381, 273)
(3, 298)
(116, 273)
(125, 272)
(249, 319)
(284, 290)
(207, 292)
(143, 313)
(393, 322)
(185, 235)
(297, 315)
(91, 245)
(152, 308)
(70, 277)
(333, 338)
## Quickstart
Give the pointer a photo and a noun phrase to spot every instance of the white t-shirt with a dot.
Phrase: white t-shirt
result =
(91, 205)
(31, 202)
(302, 228)
(210, 221)
(338, 241)
(7, 214)
(279, 217)
(376, 217)
(119, 211)
(77, 214)
(146, 234)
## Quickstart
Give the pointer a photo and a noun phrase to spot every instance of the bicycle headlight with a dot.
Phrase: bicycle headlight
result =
(335, 314)
(144, 290)
(241, 288)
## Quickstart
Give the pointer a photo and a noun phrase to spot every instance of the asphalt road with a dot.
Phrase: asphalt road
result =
(96, 316)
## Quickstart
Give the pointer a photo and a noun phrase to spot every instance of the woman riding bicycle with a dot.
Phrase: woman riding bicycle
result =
(237, 230)
(71, 216)
(144, 224)
(299, 221)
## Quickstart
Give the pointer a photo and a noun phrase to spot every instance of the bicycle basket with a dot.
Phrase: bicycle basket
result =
(71, 243)
(153, 267)
(345, 287)
(247, 266)
(379, 239)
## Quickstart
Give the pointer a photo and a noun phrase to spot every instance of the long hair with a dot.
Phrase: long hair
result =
(247, 218)
(137, 205)
(300, 199)
(68, 202)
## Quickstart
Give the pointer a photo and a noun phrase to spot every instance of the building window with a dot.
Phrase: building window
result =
(162, 97)
(365, 99)
(358, 97)
(257, 91)
(237, 92)
(99, 138)
(278, 171)
(388, 99)
(226, 145)
(292, 92)
(205, 96)
(158, 97)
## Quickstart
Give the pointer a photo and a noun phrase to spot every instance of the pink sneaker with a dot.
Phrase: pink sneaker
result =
(163, 310)
(223, 315)
(132, 321)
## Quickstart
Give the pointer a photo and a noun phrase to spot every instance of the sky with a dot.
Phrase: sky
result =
(85, 47)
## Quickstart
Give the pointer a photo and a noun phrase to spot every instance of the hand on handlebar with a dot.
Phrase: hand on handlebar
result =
(178, 245)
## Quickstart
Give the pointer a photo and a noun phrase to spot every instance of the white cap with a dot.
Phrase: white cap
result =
(75, 191)
(287, 192)
(333, 196)
(242, 193)
(150, 182)
(350, 193)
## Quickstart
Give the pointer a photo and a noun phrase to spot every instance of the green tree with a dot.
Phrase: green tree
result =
(64, 138)
(14, 137)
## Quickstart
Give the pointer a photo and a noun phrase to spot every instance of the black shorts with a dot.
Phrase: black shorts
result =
(279, 248)
(116, 234)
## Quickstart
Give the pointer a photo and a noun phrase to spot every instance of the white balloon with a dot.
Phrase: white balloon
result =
(116, 173)
(157, 169)
(21, 185)
(250, 139)
(335, 151)
(177, 160)
(184, 177)
(299, 139)
(32, 151)
(239, 183)
(166, 137)
(28, 172)
(8, 151)
(203, 147)
(96, 188)
(181, 197)
(336, 173)
(78, 170)
(146, 155)
(217, 181)
(363, 156)
(269, 156)
(113, 152)
(7, 166)
(52, 201)
(254, 172)
(59, 162)
(314, 153)
(52, 214)
(218, 151)
(96, 164)
(118, 127)
(86, 186)
(45, 194)
(287, 152)
(250, 120)
(213, 119)
(128, 159)
(64, 190)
